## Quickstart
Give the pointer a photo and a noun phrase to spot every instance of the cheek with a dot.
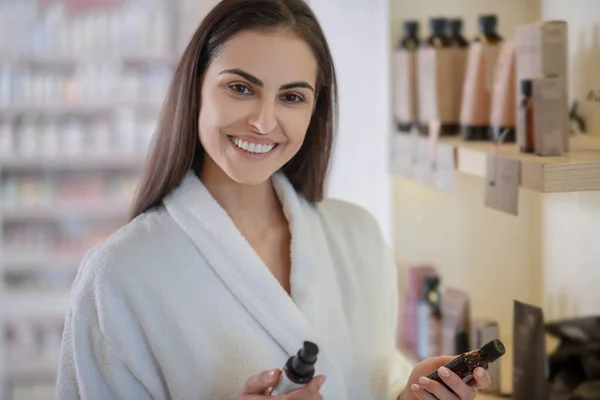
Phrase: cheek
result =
(295, 125)
(218, 111)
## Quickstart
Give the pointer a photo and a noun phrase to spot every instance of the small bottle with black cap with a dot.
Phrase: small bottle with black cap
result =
(488, 33)
(298, 370)
(527, 142)
(405, 76)
(465, 364)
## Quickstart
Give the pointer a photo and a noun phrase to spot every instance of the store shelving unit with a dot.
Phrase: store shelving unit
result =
(80, 93)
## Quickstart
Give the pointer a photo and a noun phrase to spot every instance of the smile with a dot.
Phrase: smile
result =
(255, 148)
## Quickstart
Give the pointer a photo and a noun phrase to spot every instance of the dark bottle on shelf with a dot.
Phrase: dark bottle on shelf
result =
(429, 319)
(465, 364)
(405, 77)
(526, 116)
(455, 26)
(488, 36)
(438, 39)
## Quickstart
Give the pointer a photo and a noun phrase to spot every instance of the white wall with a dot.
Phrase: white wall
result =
(358, 34)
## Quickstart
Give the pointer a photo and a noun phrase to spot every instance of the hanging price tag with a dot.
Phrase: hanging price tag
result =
(444, 168)
(400, 157)
(502, 182)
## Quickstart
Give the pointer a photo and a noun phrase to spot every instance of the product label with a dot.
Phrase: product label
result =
(503, 93)
(490, 57)
(427, 84)
(405, 82)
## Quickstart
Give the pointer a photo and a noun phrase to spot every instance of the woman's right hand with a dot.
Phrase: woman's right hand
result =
(258, 386)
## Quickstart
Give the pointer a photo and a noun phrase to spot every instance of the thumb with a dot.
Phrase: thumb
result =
(308, 391)
(259, 384)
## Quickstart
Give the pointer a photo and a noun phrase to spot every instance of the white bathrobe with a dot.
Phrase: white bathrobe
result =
(177, 304)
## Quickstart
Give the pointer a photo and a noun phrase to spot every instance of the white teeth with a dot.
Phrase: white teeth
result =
(253, 147)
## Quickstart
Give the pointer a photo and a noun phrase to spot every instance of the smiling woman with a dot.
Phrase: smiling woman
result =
(233, 259)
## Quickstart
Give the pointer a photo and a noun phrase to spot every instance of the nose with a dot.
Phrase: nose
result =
(263, 118)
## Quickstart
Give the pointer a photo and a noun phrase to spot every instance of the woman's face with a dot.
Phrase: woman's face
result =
(257, 100)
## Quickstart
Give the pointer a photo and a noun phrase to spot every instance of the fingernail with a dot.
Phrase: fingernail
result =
(415, 387)
(424, 381)
(480, 372)
(321, 381)
(444, 372)
(270, 375)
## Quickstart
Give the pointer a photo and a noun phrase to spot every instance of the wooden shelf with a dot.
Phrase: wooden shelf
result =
(87, 162)
(576, 171)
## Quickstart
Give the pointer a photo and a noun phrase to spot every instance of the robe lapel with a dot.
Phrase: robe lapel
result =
(237, 264)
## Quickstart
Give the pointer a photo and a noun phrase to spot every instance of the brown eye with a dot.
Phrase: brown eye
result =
(240, 89)
(293, 98)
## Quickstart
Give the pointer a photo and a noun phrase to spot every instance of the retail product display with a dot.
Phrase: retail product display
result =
(429, 319)
(80, 96)
(542, 53)
(482, 332)
(504, 96)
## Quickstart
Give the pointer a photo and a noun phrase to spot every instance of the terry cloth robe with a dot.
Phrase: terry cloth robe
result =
(177, 304)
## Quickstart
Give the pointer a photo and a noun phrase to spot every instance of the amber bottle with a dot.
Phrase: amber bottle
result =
(465, 364)
(526, 115)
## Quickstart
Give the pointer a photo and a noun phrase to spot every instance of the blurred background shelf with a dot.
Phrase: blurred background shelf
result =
(36, 260)
(99, 211)
(82, 110)
(83, 162)
(65, 61)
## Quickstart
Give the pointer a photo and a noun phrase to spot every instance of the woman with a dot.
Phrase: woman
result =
(232, 258)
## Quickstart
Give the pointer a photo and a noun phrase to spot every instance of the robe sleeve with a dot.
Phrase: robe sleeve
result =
(401, 367)
(91, 368)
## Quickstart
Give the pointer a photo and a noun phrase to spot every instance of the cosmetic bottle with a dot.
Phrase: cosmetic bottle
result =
(435, 80)
(460, 51)
(504, 96)
(429, 319)
(526, 116)
(298, 370)
(465, 364)
(479, 79)
(405, 77)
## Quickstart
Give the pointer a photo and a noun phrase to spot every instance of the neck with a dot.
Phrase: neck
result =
(251, 207)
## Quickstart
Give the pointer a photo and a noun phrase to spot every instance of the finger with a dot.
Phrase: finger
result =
(458, 386)
(421, 393)
(258, 384)
(481, 378)
(436, 389)
(310, 391)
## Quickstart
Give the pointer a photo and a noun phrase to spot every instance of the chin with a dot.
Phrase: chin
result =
(252, 178)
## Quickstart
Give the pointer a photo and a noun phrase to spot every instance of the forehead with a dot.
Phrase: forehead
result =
(275, 57)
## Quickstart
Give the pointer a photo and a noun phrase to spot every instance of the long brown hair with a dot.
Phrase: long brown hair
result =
(176, 147)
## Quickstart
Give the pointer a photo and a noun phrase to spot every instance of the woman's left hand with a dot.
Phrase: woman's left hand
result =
(421, 388)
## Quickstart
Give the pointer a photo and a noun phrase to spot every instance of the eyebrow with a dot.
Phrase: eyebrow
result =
(255, 81)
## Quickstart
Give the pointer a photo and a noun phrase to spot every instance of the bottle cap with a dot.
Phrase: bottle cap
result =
(455, 26)
(303, 362)
(461, 342)
(526, 87)
(493, 350)
(488, 23)
(411, 29)
(437, 26)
